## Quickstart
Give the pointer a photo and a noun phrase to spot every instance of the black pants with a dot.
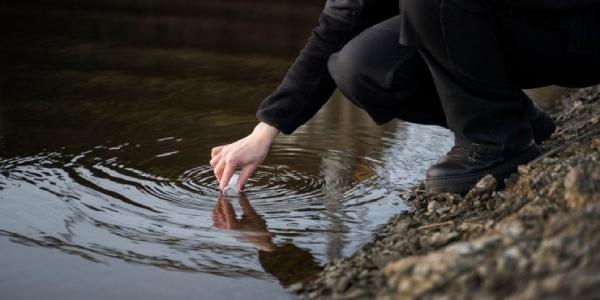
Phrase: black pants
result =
(463, 68)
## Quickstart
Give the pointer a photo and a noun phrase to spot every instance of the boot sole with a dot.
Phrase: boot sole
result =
(462, 184)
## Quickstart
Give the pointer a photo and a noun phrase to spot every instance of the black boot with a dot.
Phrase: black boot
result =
(463, 167)
(542, 127)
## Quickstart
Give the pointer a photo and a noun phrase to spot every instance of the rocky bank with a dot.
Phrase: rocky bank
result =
(537, 238)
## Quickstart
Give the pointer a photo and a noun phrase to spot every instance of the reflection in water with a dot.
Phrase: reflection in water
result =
(287, 262)
(230, 26)
(251, 226)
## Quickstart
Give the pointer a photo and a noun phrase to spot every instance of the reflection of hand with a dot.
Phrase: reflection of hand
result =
(246, 153)
(288, 263)
(251, 227)
(224, 215)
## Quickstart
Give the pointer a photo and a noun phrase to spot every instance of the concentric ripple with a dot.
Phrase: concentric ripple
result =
(325, 197)
(268, 184)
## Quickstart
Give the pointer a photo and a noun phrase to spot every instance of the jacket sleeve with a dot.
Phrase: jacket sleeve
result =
(307, 84)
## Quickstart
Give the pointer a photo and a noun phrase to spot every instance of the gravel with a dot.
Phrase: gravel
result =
(537, 238)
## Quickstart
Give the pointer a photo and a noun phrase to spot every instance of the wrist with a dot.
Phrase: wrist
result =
(265, 132)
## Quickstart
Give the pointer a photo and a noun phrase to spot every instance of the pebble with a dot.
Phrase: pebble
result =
(486, 184)
(582, 185)
(432, 206)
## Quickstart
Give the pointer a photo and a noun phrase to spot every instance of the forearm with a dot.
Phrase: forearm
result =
(307, 84)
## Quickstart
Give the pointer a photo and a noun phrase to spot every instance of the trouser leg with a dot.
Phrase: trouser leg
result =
(483, 105)
(389, 80)
(480, 60)
(481, 55)
(386, 79)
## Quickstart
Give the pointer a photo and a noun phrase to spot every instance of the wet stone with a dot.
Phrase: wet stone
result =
(470, 227)
(486, 184)
(440, 239)
(582, 185)
(432, 206)
(524, 169)
(403, 225)
(450, 198)
(354, 293)
(296, 287)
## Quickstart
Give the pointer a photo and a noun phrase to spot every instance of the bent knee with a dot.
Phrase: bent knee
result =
(346, 68)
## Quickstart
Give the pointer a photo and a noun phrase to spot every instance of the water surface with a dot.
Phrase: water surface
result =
(106, 191)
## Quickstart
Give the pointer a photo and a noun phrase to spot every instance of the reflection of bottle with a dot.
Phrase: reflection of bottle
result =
(288, 263)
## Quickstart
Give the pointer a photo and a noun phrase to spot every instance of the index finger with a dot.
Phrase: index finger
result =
(227, 173)
(216, 150)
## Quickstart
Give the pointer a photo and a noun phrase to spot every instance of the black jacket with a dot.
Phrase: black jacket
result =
(308, 85)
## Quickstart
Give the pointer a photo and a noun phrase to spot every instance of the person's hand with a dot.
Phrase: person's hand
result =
(247, 154)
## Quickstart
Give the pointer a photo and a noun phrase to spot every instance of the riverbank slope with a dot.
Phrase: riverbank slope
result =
(539, 237)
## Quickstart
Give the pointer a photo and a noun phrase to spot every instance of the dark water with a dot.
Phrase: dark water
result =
(106, 191)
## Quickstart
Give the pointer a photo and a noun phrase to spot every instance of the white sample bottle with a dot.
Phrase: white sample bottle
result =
(231, 188)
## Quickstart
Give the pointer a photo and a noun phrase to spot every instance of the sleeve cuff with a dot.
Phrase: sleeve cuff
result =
(265, 118)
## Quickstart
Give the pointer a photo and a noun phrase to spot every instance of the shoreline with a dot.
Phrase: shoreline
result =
(538, 237)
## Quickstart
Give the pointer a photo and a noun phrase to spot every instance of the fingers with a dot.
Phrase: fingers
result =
(219, 169)
(224, 174)
(230, 166)
(246, 172)
(216, 150)
(224, 167)
(215, 159)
